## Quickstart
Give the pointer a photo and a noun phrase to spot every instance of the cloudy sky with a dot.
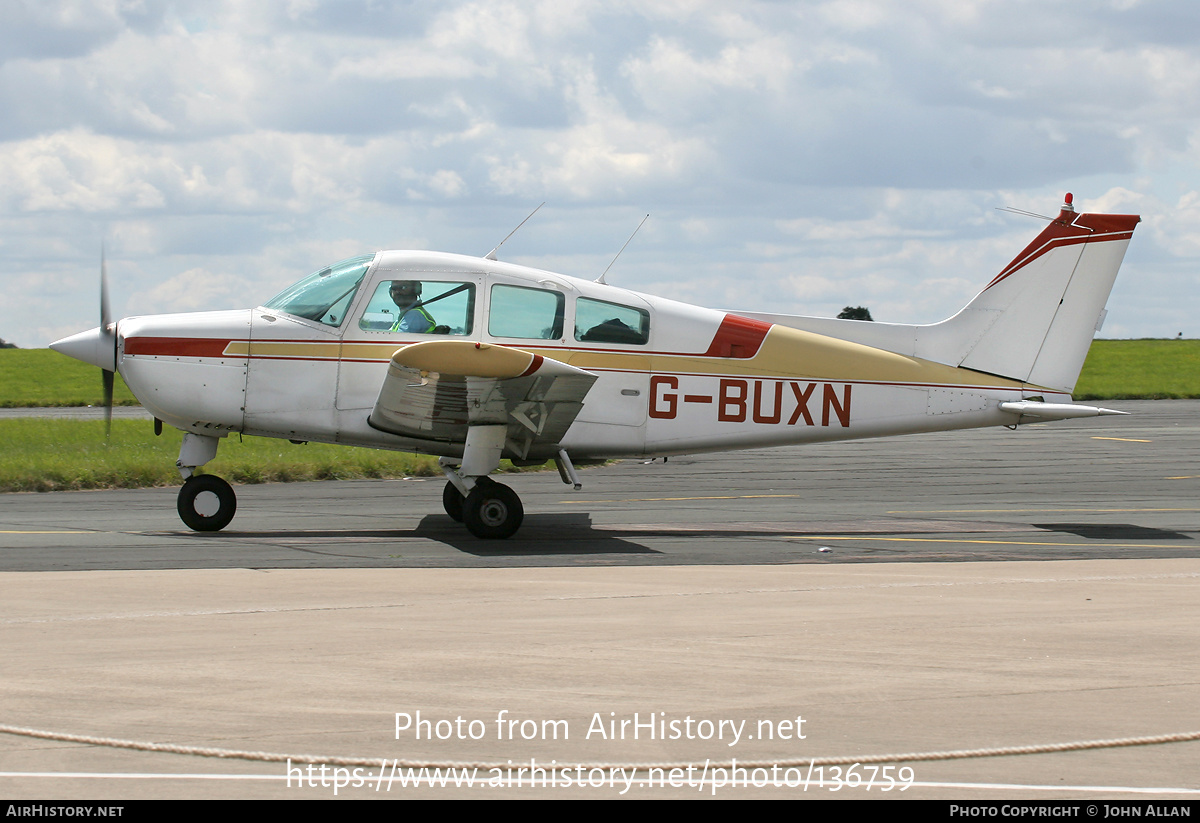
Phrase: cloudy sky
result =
(793, 156)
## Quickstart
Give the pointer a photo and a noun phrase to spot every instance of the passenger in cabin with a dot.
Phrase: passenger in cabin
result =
(613, 330)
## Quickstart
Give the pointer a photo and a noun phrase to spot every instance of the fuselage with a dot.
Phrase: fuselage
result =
(672, 378)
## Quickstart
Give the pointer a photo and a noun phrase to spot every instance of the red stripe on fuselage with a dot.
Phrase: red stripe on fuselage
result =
(177, 346)
(738, 337)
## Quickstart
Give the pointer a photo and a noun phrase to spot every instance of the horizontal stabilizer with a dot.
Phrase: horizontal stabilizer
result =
(1054, 411)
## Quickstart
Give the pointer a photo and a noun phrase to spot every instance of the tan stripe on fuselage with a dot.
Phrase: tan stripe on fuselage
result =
(785, 353)
(792, 353)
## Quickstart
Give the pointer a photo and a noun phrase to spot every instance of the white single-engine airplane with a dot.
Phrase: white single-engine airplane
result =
(476, 360)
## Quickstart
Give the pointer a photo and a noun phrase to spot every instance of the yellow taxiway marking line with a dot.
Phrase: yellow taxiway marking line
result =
(1030, 511)
(1184, 477)
(576, 501)
(828, 538)
(1123, 439)
(669, 499)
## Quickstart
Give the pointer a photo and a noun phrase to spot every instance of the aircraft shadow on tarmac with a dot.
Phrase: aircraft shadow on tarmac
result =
(1113, 531)
(542, 534)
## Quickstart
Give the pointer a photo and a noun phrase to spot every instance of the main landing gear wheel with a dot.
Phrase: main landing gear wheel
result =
(206, 503)
(452, 502)
(452, 499)
(492, 511)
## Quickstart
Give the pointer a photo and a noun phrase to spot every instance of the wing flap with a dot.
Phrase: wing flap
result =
(436, 390)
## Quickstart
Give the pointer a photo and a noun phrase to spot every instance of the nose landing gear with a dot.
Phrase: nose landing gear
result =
(206, 503)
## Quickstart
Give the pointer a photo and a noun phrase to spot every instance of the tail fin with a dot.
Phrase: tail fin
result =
(1034, 322)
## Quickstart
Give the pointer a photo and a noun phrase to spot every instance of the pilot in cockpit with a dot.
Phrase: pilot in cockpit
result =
(412, 316)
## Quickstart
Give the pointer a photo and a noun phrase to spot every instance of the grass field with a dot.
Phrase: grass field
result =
(47, 455)
(1140, 369)
(54, 455)
(40, 377)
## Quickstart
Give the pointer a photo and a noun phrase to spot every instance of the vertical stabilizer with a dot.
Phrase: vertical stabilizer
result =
(1035, 321)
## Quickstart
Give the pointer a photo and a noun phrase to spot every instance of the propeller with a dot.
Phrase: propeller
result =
(108, 337)
(99, 346)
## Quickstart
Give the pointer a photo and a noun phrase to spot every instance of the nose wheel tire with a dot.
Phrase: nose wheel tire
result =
(492, 511)
(206, 503)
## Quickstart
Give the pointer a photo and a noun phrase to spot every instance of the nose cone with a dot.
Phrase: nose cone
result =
(94, 347)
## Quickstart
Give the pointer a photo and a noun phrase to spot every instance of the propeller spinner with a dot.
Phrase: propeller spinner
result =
(97, 346)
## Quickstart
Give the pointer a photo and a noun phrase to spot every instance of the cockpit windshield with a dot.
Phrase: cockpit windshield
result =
(325, 295)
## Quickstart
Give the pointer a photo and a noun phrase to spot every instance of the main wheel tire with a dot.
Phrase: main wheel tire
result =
(206, 503)
(492, 511)
(452, 501)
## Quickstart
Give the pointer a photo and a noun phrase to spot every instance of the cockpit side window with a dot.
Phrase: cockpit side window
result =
(598, 321)
(532, 314)
(409, 306)
(325, 295)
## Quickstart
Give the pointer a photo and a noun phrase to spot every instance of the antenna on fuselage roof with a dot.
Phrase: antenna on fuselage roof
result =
(601, 279)
(492, 254)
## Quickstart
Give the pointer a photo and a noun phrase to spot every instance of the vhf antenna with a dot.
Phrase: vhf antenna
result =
(492, 254)
(601, 279)
(1067, 207)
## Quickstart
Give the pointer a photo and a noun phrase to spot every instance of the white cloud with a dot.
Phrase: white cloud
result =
(792, 155)
(193, 290)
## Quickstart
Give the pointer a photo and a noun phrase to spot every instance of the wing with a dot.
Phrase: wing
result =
(437, 389)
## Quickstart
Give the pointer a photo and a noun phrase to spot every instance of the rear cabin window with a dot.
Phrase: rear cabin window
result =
(598, 321)
(410, 306)
(532, 314)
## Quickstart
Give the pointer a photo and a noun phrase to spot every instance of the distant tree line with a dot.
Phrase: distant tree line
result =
(855, 313)
(4, 344)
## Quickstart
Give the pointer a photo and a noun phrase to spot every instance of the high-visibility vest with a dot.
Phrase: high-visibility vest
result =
(408, 315)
